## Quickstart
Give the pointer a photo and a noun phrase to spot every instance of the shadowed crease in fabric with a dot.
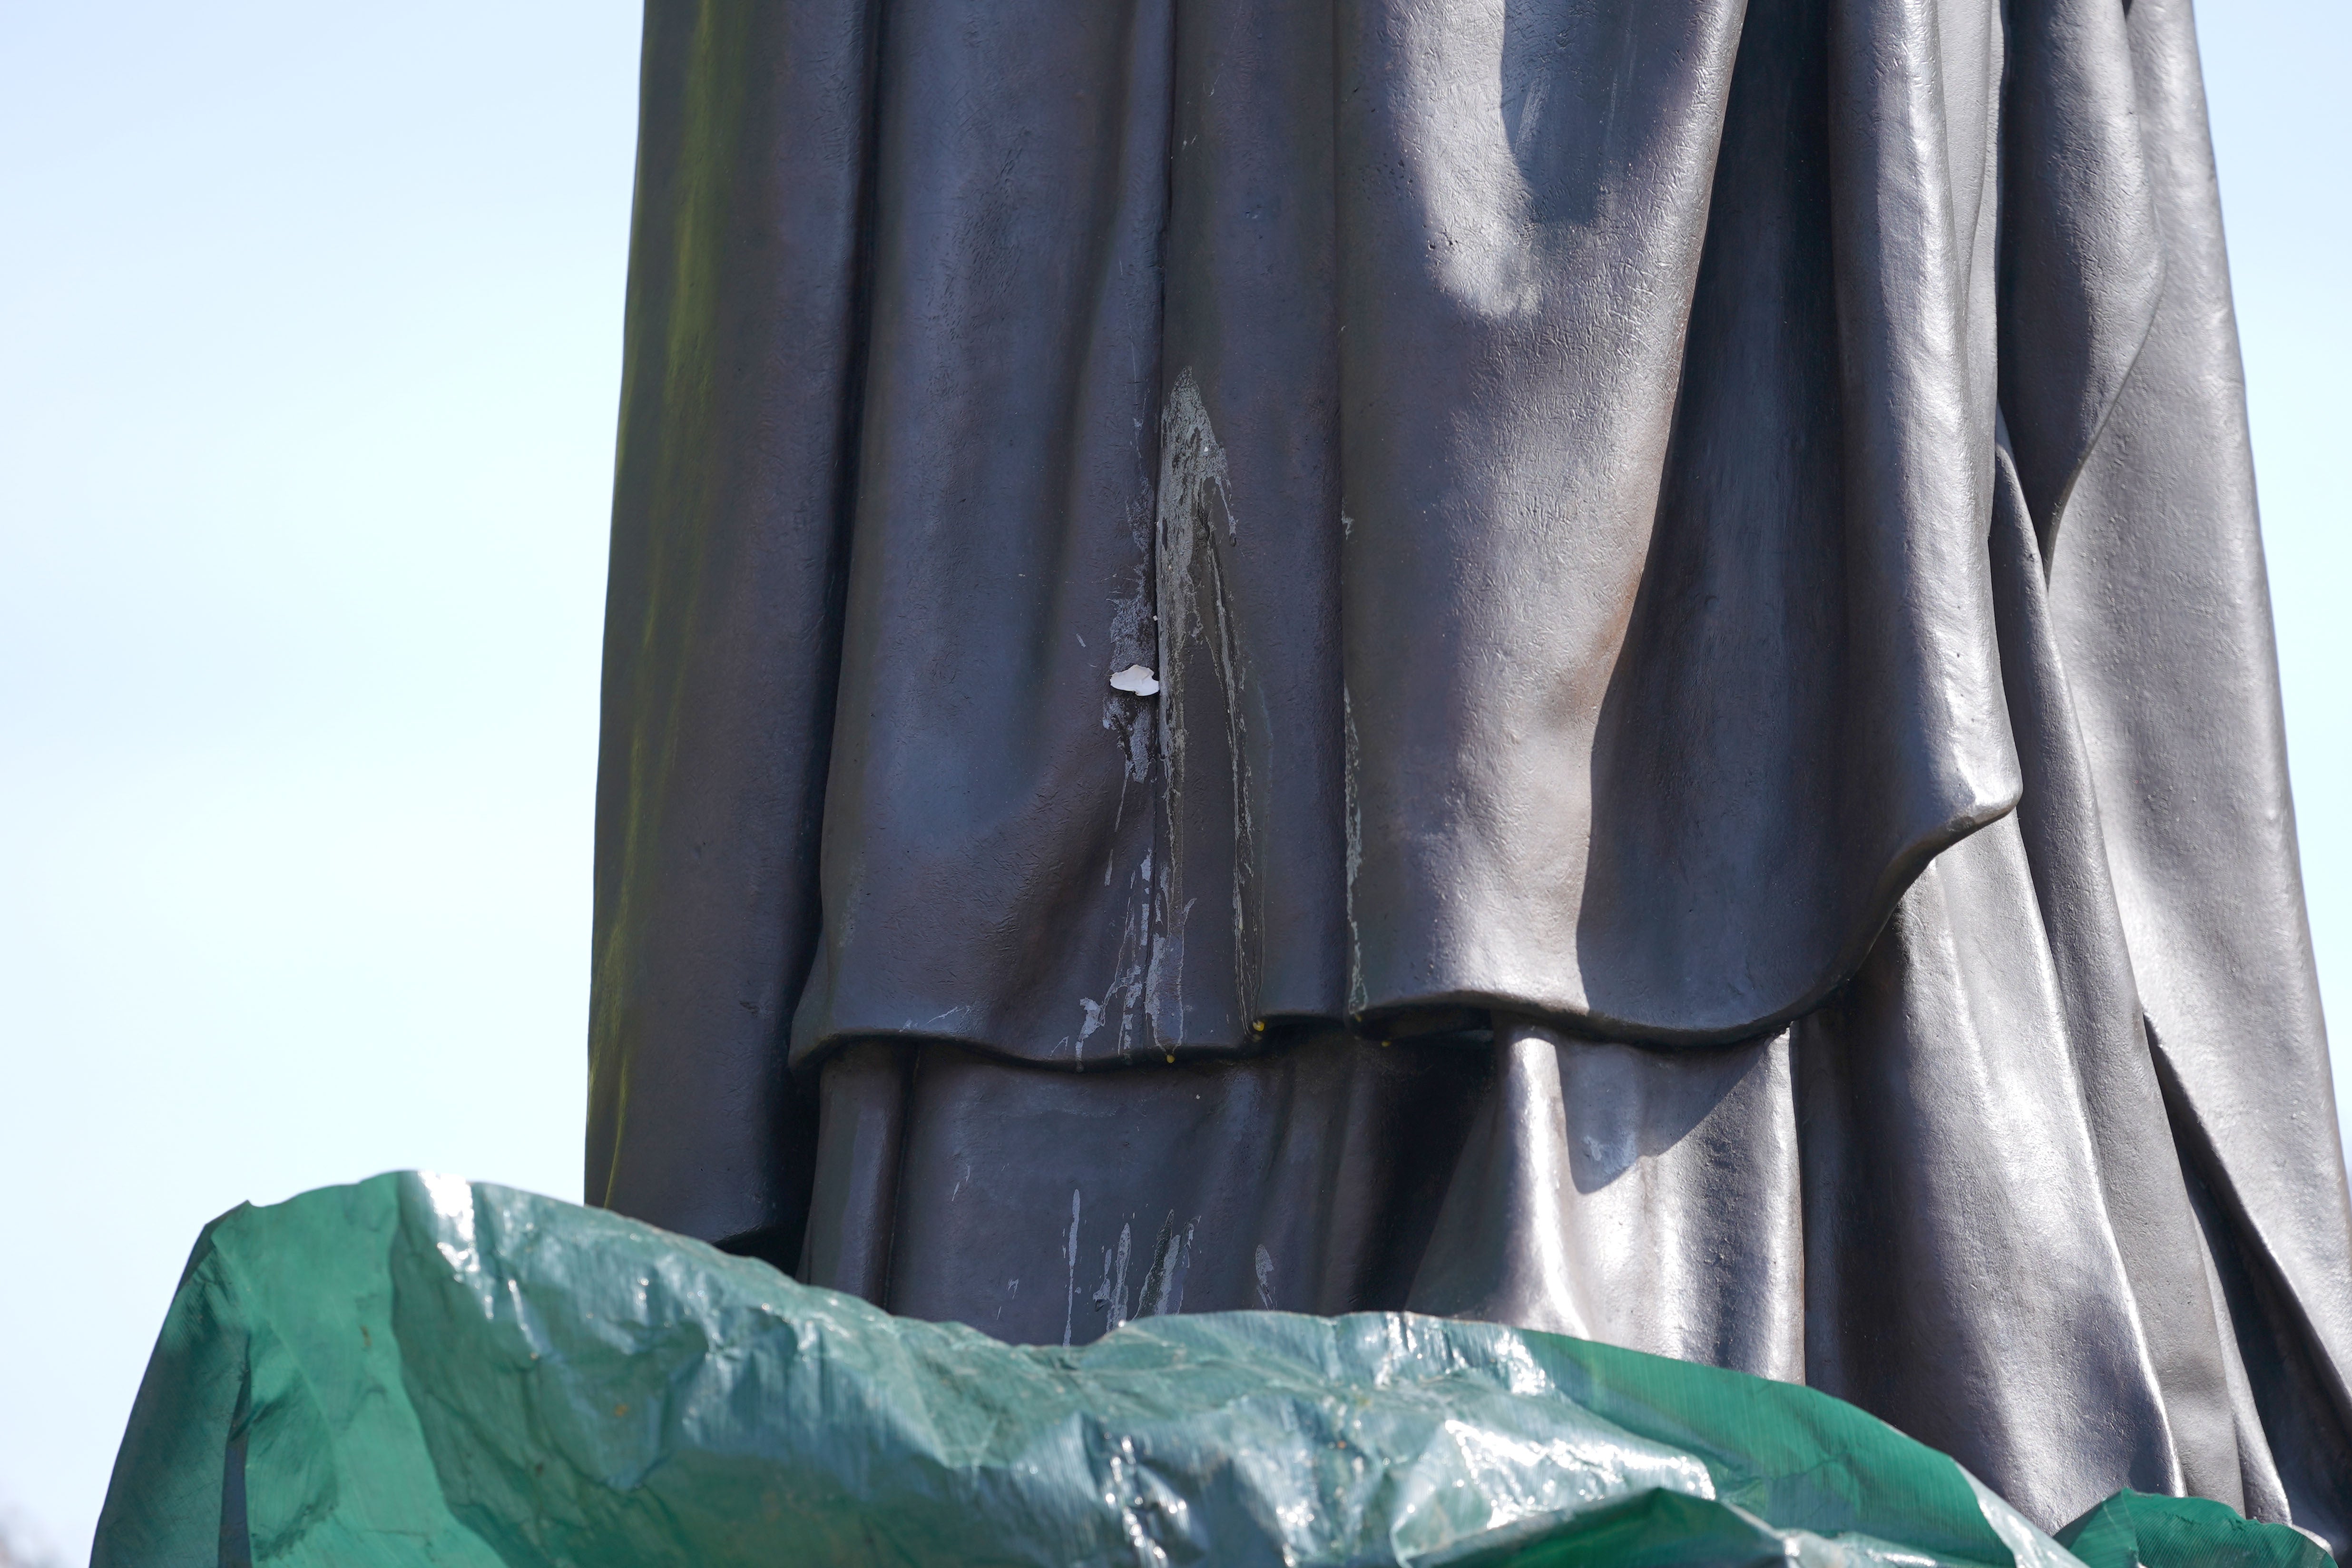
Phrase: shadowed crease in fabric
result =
(1600, 665)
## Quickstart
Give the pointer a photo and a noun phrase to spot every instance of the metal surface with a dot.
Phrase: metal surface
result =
(1699, 567)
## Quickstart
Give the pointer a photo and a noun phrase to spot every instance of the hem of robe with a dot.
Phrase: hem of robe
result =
(1446, 1011)
(1689, 1202)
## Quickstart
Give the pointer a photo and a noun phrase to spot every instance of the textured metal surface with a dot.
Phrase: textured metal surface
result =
(1694, 569)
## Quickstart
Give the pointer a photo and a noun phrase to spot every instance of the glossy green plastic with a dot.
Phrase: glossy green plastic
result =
(419, 1371)
(2131, 1529)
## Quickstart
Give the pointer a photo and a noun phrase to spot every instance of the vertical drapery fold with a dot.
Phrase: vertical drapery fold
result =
(989, 814)
(1367, 413)
(1694, 564)
(2161, 612)
(739, 403)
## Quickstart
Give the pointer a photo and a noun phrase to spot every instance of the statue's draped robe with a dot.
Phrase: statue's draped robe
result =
(1716, 781)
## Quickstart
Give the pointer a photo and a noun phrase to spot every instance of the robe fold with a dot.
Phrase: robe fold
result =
(1707, 770)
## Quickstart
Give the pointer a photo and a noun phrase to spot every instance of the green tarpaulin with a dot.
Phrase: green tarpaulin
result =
(419, 1371)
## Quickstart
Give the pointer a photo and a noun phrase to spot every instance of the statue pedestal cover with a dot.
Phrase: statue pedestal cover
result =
(414, 1371)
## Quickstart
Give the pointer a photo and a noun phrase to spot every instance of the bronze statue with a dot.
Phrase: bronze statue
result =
(1602, 665)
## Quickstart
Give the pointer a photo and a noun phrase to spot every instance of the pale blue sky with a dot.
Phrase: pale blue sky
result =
(310, 320)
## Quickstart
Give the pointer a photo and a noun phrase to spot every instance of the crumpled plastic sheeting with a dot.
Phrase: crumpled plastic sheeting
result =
(2132, 1528)
(419, 1371)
